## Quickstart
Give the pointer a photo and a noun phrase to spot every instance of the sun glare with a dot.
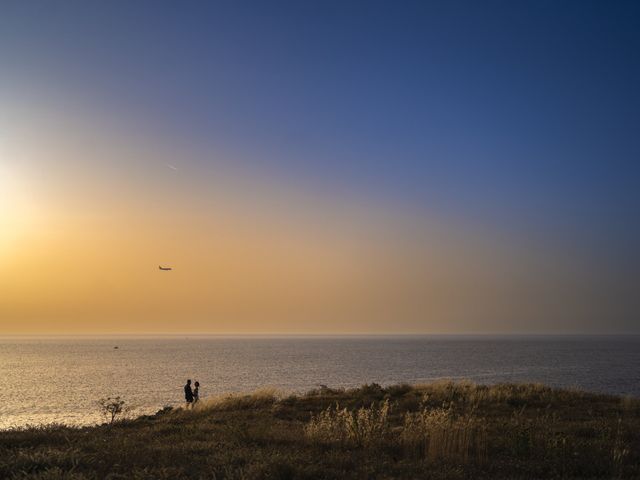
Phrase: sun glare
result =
(13, 213)
(5, 197)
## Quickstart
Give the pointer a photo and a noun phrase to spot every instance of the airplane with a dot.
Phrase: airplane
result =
(165, 269)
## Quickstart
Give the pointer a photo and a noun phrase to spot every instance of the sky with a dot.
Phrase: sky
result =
(319, 167)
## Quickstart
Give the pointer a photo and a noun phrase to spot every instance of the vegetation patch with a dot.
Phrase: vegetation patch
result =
(443, 430)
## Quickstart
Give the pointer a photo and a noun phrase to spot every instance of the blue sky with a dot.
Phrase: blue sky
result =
(496, 105)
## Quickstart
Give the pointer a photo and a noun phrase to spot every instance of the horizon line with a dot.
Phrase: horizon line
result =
(316, 334)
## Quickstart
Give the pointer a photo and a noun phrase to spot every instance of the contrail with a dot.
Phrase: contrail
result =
(171, 167)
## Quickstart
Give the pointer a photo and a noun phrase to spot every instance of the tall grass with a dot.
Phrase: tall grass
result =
(432, 434)
(363, 427)
(438, 434)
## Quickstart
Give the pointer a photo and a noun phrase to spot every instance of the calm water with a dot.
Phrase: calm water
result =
(60, 380)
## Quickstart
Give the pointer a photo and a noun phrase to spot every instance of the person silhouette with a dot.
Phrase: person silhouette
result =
(196, 393)
(188, 394)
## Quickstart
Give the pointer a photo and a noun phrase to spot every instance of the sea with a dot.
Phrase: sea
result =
(61, 379)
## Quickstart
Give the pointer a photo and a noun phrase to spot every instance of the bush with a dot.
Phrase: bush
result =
(112, 407)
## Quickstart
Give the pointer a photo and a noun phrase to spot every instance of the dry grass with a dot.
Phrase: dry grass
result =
(366, 427)
(438, 434)
(231, 401)
(443, 430)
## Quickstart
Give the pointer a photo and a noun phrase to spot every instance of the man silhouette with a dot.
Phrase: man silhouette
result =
(188, 394)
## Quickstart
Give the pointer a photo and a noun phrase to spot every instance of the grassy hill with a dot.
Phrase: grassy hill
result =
(436, 431)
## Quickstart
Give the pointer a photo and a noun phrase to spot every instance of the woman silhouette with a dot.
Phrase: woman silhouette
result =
(196, 392)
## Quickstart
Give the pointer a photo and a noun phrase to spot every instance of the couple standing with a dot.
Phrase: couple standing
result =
(191, 396)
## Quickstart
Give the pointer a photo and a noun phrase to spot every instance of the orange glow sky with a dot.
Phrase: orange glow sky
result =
(87, 214)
